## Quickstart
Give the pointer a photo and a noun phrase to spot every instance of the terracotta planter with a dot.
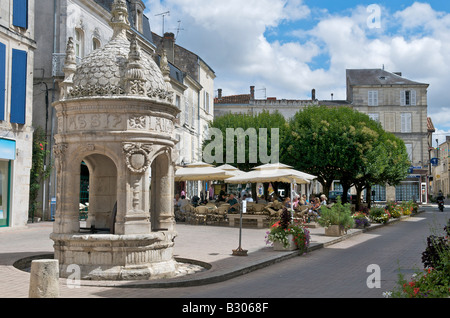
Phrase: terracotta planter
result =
(334, 230)
(278, 246)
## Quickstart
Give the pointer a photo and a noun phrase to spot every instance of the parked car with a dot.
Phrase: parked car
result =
(332, 196)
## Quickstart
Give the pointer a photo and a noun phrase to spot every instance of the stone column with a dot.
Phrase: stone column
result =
(137, 217)
(67, 204)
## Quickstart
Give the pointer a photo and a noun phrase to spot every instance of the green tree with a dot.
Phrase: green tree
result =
(38, 172)
(323, 141)
(343, 144)
(247, 133)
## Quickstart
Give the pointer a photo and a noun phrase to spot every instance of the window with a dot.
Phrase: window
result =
(20, 13)
(408, 98)
(79, 39)
(406, 122)
(18, 86)
(409, 150)
(95, 44)
(373, 98)
(2, 80)
(374, 116)
(206, 104)
(407, 191)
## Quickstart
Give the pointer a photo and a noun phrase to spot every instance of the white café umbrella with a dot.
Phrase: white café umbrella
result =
(274, 172)
(233, 171)
(201, 171)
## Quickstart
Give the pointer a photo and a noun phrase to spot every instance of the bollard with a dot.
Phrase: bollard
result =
(44, 279)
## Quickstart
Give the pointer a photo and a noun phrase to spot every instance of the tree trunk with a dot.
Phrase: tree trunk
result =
(369, 196)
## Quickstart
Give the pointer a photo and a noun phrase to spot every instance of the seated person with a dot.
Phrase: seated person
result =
(195, 200)
(222, 195)
(323, 200)
(234, 204)
(247, 198)
(287, 202)
(182, 203)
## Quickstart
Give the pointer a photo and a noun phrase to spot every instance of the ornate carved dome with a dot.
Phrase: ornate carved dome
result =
(119, 68)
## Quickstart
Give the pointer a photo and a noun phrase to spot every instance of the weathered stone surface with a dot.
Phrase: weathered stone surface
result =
(44, 279)
(124, 133)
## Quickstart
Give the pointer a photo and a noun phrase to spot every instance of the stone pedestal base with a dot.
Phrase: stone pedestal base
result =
(116, 257)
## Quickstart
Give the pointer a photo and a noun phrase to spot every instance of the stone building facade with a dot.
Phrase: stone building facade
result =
(400, 105)
(17, 50)
(441, 172)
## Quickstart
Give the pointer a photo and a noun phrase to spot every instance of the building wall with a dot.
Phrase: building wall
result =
(12, 37)
(441, 173)
(389, 113)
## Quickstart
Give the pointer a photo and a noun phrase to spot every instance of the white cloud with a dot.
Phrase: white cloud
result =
(232, 37)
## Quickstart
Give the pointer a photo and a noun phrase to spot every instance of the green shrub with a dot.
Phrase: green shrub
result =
(337, 214)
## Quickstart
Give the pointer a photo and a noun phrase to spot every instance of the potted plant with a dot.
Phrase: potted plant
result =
(336, 219)
(287, 234)
(361, 220)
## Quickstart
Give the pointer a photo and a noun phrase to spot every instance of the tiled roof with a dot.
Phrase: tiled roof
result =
(233, 99)
(376, 77)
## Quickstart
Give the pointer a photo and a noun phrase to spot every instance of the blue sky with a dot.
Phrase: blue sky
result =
(287, 47)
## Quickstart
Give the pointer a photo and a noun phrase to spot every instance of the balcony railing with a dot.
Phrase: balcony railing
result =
(58, 64)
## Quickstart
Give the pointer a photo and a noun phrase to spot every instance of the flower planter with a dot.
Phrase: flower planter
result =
(334, 230)
(278, 246)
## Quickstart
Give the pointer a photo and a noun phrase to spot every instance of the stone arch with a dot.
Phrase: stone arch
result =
(103, 178)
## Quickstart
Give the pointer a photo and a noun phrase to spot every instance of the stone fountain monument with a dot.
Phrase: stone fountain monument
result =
(116, 115)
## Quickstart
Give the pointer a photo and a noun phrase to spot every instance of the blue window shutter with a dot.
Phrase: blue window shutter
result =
(20, 13)
(2, 80)
(18, 86)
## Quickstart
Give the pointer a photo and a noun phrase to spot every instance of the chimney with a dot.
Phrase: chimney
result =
(313, 94)
(169, 46)
(219, 93)
(252, 92)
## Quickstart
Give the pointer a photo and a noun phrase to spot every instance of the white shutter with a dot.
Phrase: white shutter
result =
(413, 97)
(406, 122)
(372, 98)
(402, 98)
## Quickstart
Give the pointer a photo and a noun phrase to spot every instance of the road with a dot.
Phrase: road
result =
(337, 271)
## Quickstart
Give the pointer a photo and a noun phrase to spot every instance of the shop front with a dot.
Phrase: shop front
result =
(7, 156)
